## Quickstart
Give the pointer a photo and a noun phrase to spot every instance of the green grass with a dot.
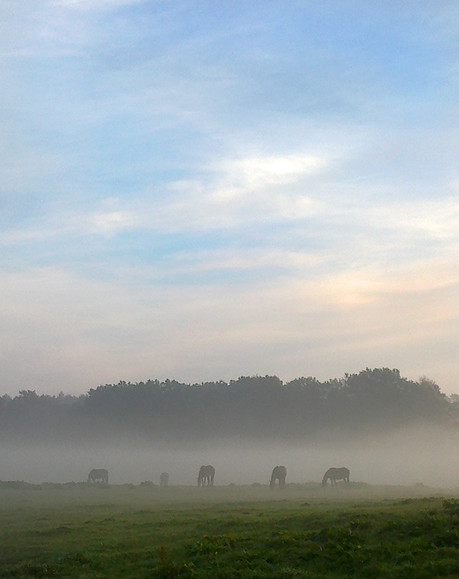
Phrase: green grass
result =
(126, 531)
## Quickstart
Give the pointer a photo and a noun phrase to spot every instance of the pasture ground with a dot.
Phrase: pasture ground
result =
(98, 531)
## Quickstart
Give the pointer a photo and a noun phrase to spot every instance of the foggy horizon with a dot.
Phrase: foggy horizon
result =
(405, 458)
(385, 428)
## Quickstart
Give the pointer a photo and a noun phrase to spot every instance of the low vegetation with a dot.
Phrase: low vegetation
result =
(99, 531)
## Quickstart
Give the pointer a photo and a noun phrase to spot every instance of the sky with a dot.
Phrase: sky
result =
(202, 190)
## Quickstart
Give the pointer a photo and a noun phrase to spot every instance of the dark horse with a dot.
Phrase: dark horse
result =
(164, 479)
(98, 475)
(206, 476)
(279, 474)
(334, 474)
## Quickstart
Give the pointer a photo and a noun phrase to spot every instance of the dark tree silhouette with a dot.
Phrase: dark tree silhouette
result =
(258, 407)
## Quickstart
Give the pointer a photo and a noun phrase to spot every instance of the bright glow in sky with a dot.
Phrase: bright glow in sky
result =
(201, 190)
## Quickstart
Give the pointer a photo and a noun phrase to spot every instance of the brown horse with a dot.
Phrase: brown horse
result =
(98, 475)
(279, 473)
(334, 474)
(206, 476)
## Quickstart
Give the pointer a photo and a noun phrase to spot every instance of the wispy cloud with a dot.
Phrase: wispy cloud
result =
(96, 5)
(113, 222)
(290, 327)
(247, 188)
(264, 171)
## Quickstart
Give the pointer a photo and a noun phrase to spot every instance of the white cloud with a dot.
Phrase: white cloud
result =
(97, 5)
(248, 259)
(262, 171)
(113, 222)
(436, 219)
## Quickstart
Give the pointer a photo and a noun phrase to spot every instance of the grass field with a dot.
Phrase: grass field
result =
(127, 531)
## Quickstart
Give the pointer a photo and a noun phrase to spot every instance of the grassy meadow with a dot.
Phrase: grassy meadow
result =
(77, 530)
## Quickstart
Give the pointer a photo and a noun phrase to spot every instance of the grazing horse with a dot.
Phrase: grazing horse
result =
(164, 479)
(98, 475)
(206, 476)
(334, 474)
(279, 473)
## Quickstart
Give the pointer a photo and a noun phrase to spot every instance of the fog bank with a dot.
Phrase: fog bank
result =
(408, 456)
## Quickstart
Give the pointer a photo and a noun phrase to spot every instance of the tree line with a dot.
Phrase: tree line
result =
(255, 407)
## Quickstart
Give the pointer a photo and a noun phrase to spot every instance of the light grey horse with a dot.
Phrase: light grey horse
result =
(206, 476)
(280, 474)
(334, 474)
(98, 475)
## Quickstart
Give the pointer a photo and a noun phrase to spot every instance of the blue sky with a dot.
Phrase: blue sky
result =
(203, 190)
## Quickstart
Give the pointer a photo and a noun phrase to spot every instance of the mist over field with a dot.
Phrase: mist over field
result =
(385, 428)
(405, 457)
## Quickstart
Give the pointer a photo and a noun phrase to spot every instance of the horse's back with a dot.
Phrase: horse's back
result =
(98, 474)
(279, 471)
